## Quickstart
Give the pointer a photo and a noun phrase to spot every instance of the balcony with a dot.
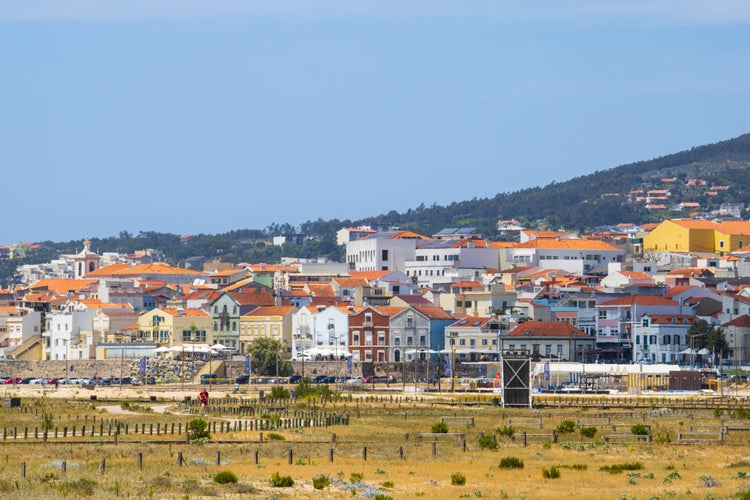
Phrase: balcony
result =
(365, 324)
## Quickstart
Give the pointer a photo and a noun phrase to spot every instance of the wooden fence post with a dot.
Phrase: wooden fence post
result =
(179, 458)
(330, 454)
(218, 458)
(140, 460)
(364, 453)
(23, 470)
(434, 449)
(291, 458)
(102, 466)
(256, 457)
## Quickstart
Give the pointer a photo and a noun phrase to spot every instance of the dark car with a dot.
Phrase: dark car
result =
(242, 379)
(295, 379)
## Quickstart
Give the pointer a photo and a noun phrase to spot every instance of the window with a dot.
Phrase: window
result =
(397, 341)
(384, 255)
(355, 338)
(484, 342)
(422, 340)
(368, 338)
(409, 340)
(548, 349)
(602, 314)
(461, 341)
(472, 342)
(381, 338)
(559, 349)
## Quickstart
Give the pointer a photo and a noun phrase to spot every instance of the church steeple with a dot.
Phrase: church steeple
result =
(85, 261)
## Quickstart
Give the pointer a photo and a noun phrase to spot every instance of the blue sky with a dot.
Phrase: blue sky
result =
(187, 116)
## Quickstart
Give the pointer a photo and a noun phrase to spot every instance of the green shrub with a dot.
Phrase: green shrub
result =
(278, 481)
(511, 463)
(458, 479)
(226, 477)
(321, 481)
(640, 430)
(487, 442)
(278, 392)
(386, 484)
(506, 430)
(618, 468)
(83, 487)
(588, 432)
(440, 427)
(383, 496)
(551, 473)
(566, 427)
(275, 436)
(356, 477)
(198, 431)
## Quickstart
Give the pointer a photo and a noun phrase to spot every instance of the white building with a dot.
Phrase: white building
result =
(436, 258)
(575, 256)
(383, 251)
(69, 333)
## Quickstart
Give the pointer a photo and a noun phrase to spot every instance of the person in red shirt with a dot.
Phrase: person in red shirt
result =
(203, 396)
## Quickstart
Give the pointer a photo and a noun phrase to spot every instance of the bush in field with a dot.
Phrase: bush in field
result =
(640, 430)
(511, 463)
(458, 479)
(274, 436)
(278, 392)
(506, 430)
(321, 481)
(278, 481)
(225, 477)
(487, 442)
(440, 427)
(83, 487)
(356, 477)
(198, 431)
(566, 427)
(551, 473)
(618, 468)
(588, 432)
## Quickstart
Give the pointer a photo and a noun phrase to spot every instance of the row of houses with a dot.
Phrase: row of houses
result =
(402, 295)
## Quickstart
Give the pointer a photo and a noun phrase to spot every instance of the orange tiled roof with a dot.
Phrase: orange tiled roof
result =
(62, 286)
(141, 269)
(184, 312)
(636, 275)
(641, 300)
(350, 282)
(369, 275)
(568, 244)
(271, 311)
(501, 244)
(433, 312)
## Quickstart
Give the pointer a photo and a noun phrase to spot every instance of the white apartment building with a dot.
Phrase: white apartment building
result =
(382, 251)
(575, 256)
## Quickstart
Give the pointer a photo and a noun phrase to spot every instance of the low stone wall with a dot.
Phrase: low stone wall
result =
(163, 370)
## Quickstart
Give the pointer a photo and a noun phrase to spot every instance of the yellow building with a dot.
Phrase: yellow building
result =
(687, 235)
(173, 326)
(267, 321)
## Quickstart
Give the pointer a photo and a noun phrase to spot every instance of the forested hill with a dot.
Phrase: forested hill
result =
(585, 202)
(580, 203)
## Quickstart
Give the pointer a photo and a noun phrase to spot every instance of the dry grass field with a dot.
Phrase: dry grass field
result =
(380, 454)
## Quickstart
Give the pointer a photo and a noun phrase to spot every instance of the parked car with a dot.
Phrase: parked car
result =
(242, 379)
(354, 380)
(12, 380)
(295, 379)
